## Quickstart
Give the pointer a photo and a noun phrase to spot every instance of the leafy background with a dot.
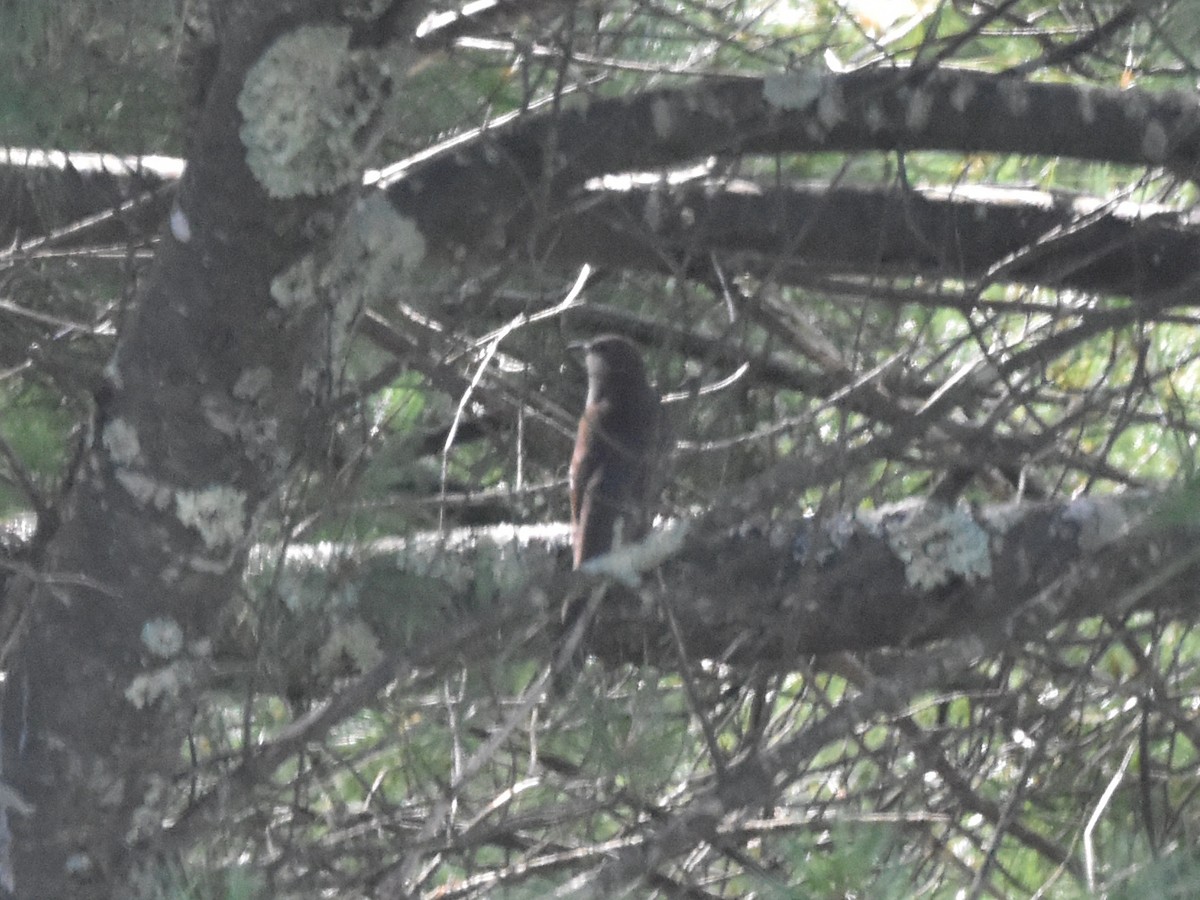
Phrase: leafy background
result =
(948, 799)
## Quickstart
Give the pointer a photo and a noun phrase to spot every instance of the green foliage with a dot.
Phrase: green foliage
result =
(36, 425)
(406, 606)
(88, 74)
(628, 749)
(850, 860)
(202, 883)
(1172, 876)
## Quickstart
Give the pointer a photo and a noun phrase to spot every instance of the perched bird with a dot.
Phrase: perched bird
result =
(619, 451)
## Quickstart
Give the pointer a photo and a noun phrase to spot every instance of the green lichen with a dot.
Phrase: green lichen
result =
(353, 641)
(309, 108)
(218, 513)
(144, 489)
(149, 687)
(121, 441)
(794, 90)
(162, 637)
(937, 544)
(252, 383)
(1100, 521)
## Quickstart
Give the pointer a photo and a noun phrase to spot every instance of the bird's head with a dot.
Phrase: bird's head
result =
(612, 359)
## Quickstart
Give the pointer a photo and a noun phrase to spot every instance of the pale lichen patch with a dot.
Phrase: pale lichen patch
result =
(308, 109)
(916, 115)
(367, 259)
(875, 117)
(147, 819)
(1000, 518)
(252, 383)
(144, 489)
(961, 95)
(380, 243)
(310, 378)
(219, 415)
(1015, 95)
(661, 117)
(218, 513)
(353, 641)
(1100, 521)
(162, 637)
(103, 781)
(793, 90)
(937, 544)
(831, 106)
(207, 566)
(79, 865)
(1087, 105)
(149, 687)
(294, 289)
(121, 441)
(112, 374)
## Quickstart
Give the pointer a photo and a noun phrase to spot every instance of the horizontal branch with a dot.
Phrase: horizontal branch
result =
(482, 194)
(897, 577)
(496, 189)
(802, 233)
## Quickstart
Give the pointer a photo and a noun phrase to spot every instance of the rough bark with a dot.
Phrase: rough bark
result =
(482, 196)
(216, 381)
(901, 576)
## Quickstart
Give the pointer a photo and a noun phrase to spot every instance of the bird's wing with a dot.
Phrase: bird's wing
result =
(598, 515)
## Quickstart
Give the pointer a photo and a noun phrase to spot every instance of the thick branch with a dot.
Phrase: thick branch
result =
(799, 234)
(492, 193)
(214, 384)
(897, 577)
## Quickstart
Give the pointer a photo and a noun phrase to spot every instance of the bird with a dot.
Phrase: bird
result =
(619, 450)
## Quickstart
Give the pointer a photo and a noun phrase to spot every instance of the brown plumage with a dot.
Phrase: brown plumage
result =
(619, 451)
